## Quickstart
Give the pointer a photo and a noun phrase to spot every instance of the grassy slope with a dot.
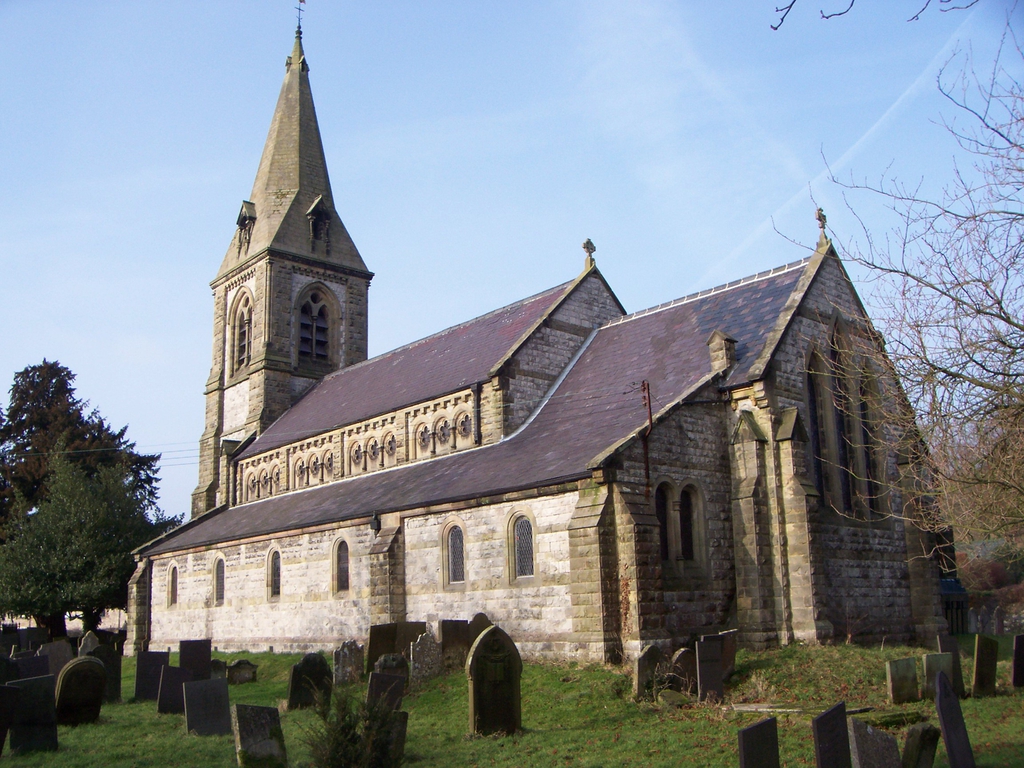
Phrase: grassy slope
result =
(572, 716)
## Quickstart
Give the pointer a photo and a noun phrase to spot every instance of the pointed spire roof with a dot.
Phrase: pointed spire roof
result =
(291, 198)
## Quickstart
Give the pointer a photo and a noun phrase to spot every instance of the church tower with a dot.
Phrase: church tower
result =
(290, 296)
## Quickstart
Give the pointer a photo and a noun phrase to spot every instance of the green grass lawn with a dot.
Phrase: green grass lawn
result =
(572, 716)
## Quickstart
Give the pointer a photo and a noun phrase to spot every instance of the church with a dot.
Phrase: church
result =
(594, 481)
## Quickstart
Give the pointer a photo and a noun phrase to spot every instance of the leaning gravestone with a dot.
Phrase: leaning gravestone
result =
(32, 666)
(88, 643)
(399, 726)
(831, 738)
(951, 721)
(392, 664)
(901, 680)
(478, 624)
(170, 699)
(207, 707)
(424, 659)
(406, 633)
(933, 664)
(259, 740)
(310, 679)
(218, 668)
(709, 669)
(948, 644)
(683, 676)
(872, 748)
(1018, 661)
(386, 688)
(759, 745)
(147, 673)
(241, 671)
(645, 670)
(455, 642)
(382, 640)
(986, 653)
(58, 653)
(730, 644)
(34, 725)
(494, 669)
(194, 655)
(348, 663)
(8, 704)
(80, 688)
(919, 748)
(111, 658)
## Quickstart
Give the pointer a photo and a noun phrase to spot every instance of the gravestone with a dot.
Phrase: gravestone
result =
(8, 670)
(218, 668)
(392, 664)
(32, 666)
(34, 725)
(901, 680)
(730, 644)
(310, 679)
(872, 748)
(207, 707)
(759, 745)
(58, 653)
(348, 663)
(170, 699)
(242, 671)
(645, 669)
(709, 669)
(25, 655)
(8, 704)
(194, 655)
(382, 640)
(88, 643)
(684, 671)
(832, 738)
(424, 659)
(399, 726)
(406, 633)
(951, 721)
(455, 642)
(80, 688)
(386, 688)
(111, 658)
(972, 622)
(948, 644)
(986, 653)
(933, 664)
(494, 669)
(919, 748)
(478, 624)
(147, 673)
(259, 740)
(30, 638)
(1018, 662)
(984, 621)
(998, 621)
(8, 644)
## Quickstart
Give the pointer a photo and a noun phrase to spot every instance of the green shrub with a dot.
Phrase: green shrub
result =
(351, 734)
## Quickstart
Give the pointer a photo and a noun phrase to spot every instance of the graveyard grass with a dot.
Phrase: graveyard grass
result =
(572, 716)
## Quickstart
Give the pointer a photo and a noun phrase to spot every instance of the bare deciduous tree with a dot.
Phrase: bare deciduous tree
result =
(944, 6)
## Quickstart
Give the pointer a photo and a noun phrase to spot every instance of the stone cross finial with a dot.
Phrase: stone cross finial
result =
(589, 248)
(820, 216)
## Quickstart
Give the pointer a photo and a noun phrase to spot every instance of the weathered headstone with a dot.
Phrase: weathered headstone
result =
(998, 621)
(478, 624)
(984, 621)
(406, 633)
(34, 725)
(8, 670)
(872, 748)
(494, 669)
(218, 668)
(58, 653)
(8, 704)
(207, 707)
(919, 748)
(30, 638)
(348, 663)
(194, 655)
(399, 726)
(170, 699)
(241, 671)
(759, 745)
(933, 664)
(80, 688)
(951, 721)
(948, 644)
(901, 680)
(710, 683)
(1018, 662)
(32, 666)
(986, 653)
(683, 675)
(386, 688)
(424, 659)
(111, 657)
(730, 644)
(147, 673)
(972, 622)
(310, 679)
(832, 738)
(88, 643)
(392, 664)
(382, 640)
(455, 642)
(259, 740)
(645, 669)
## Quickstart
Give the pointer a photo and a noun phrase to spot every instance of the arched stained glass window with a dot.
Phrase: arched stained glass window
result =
(275, 574)
(218, 583)
(686, 507)
(341, 567)
(172, 596)
(523, 544)
(456, 556)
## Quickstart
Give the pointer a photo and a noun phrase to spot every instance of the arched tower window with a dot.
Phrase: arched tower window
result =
(456, 556)
(341, 567)
(218, 582)
(522, 535)
(661, 502)
(314, 321)
(275, 574)
(243, 334)
(686, 509)
(172, 588)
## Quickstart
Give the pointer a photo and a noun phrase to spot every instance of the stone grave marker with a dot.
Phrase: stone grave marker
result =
(759, 745)
(218, 668)
(494, 669)
(348, 663)
(259, 739)
(194, 655)
(310, 678)
(972, 622)
(424, 659)
(25, 655)
(730, 644)
(241, 671)
(901, 680)
(396, 737)
(948, 644)
(30, 638)
(919, 748)
(951, 721)
(986, 652)
(382, 640)
(111, 658)
(8, 704)
(58, 653)
(710, 683)
(207, 707)
(147, 673)
(8, 644)
(455, 642)
(406, 633)
(1018, 661)
(34, 725)
(392, 664)
(170, 698)
(8, 670)
(88, 643)
(933, 664)
(478, 624)
(832, 738)
(684, 671)
(872, 748)
(645, 669)
(984, 621)
(387, 688)
(80, 688)
(32, 666)
(998, 621)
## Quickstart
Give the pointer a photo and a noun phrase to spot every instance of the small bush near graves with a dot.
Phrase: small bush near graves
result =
(350, 734)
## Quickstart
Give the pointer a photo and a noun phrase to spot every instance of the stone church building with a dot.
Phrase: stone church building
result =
(593, 480)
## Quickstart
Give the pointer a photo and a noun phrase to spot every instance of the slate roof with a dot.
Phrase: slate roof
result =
(595, 406)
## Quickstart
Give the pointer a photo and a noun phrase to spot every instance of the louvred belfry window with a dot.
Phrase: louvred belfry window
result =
(313, 325)
(243, 334)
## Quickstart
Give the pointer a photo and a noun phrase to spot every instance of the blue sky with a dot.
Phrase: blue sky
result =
(472, 147)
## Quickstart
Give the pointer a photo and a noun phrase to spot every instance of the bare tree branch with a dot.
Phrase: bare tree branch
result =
(838, 13)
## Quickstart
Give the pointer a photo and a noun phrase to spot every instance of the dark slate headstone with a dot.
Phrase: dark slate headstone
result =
(34, 725)
(710, 683)
(494, 668)
(901, 680)
(933, 664)
(951, 721)
(986, 653)
(147, 673)
(80, 688)
(30, 638)
(831, 738)
(310, 679)
(396, 738)
(194, 655)
(759, 745)
(218, 668)
(948, 644)
(1018, 661)
(111, 658)
(88, 643)
(382, 640)
(455, 642)
(8, 670)
(478, 624)
(392, 664)
(59, 653)
(241, 671)
(8, 704)
(730, 644)
(872, 748)
(919, 748)
(645, 668)
(407, 632)
(348, 663)
(32, 666)
(170, 699)
(259, 739)
(388, 689)
(207, 708)
(683, 677)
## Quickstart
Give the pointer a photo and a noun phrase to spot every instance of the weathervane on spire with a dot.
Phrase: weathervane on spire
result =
(299, 8)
